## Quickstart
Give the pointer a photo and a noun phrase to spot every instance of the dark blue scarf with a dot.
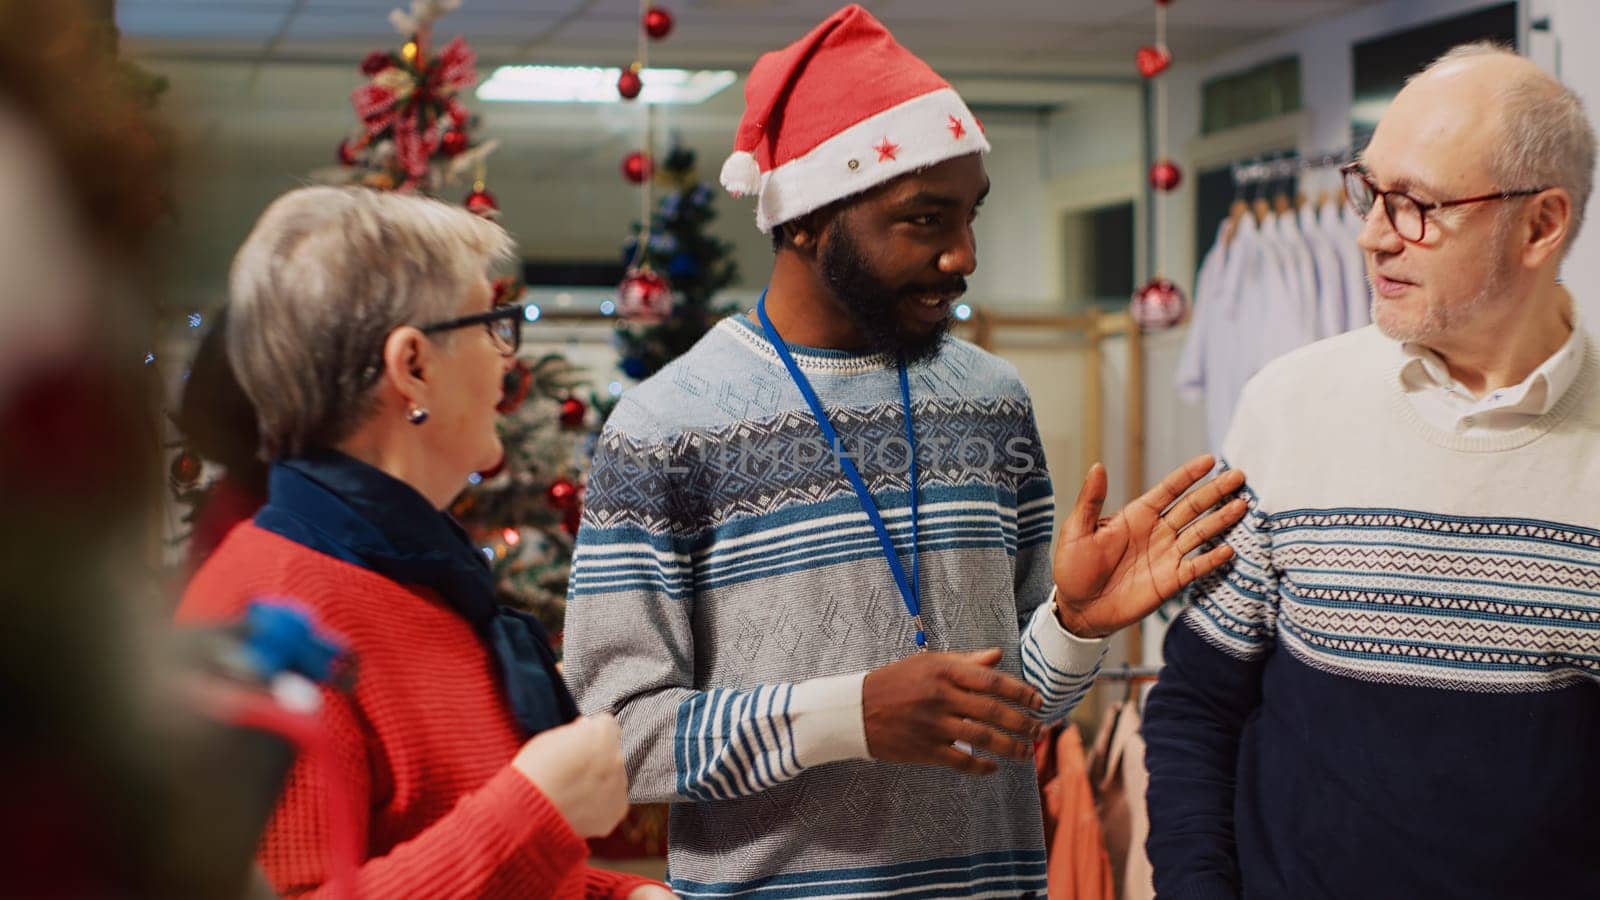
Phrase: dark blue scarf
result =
(340, 506)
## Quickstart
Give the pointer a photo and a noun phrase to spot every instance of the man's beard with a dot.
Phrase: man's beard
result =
(875, 307)
(1441, 321)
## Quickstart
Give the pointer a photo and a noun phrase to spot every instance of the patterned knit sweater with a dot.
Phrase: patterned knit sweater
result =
(1394, 690)
(729, 594)
(426, 740)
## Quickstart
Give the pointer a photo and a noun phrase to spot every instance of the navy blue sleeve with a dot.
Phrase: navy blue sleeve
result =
(1209, 687)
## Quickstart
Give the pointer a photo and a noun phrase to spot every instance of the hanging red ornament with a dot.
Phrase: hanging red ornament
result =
(573, 517)
(1159, 305)
(186, 469)
(657, 22)
(637, 167)
(347, 153)
(630, 84)
(454, 143)
(482, 203)
(514, 388)
(1165, 175)
(562, 494)
(494, 470)
(1163, 2)
(1152, 60)
(573, 411)
(644, 297)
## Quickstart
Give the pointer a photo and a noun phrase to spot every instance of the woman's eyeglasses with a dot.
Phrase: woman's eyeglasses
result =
(503, 323)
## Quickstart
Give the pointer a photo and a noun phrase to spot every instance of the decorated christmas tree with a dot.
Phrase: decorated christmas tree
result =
(414, 133)
(525, 512)
(667, 301)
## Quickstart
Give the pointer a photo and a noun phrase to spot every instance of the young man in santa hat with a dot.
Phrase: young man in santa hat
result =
(813, 579)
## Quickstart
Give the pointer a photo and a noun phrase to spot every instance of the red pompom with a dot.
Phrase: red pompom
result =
(347, 154)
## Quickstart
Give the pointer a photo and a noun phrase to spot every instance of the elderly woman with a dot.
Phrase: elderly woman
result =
(361, 327)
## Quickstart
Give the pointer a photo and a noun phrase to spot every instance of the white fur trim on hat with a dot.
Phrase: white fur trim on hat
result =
(920, 132)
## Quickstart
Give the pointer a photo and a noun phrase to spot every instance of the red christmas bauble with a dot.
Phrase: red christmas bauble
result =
(637, 167)
(482, 203)
(644, 297)
(347, 154)
(657, 22)
(494, 470)
(1152, 61)
(573, 411)
(460, 115)
(186, 469)
(573, 517)
(454, 143)
(1165, 175)
(562, 494)
(375, 62)
(514, 388)
(1159, 305)
(630, 84)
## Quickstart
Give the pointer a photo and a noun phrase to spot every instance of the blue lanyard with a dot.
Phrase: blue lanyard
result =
(910, 590)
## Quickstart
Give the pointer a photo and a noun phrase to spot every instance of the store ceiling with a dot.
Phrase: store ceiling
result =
(958, 36)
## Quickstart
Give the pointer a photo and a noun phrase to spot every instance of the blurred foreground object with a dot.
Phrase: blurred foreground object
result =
(94, 796)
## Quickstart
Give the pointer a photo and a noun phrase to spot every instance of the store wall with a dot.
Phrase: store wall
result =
(1567, 51)
(249, 134)
(1326, 88)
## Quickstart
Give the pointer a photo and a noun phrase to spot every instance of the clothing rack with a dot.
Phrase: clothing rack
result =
(1126, 672)
(1265, 171)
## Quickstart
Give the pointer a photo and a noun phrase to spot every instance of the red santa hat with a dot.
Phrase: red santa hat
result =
(841, 110)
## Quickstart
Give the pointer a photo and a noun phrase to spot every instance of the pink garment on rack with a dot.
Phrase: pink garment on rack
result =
(1079, 868)
(1117, 766)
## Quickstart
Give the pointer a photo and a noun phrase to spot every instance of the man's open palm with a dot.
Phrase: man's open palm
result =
(1110, 573)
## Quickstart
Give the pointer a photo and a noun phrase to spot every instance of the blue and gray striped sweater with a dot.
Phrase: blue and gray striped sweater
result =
(728, 594)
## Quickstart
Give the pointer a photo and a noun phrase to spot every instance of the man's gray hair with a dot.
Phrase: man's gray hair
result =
(325, 275)
(1546, 137)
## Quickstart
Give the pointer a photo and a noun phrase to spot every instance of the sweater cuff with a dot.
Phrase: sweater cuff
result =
(825, 714)
(532, 821)
(1063, 650)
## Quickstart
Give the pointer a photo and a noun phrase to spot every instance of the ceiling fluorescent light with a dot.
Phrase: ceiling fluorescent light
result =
(592, 84)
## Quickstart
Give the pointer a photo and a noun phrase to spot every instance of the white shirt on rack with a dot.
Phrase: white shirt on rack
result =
(1446, 405)
(1330, 275)
(1342, 227)
(1296, 249)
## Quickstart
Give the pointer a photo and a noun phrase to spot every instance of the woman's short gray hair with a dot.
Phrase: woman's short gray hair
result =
(325, 275)
(1546, 139)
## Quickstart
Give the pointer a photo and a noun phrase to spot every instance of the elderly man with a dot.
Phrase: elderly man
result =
(748, 592)
(1394, 689)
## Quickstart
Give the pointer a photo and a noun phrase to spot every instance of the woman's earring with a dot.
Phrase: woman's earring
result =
(416, 415)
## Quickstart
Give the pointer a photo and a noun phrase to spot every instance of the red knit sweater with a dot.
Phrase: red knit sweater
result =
(426, 738)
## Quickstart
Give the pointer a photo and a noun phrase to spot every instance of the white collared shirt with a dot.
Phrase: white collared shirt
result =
(1446, 405)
